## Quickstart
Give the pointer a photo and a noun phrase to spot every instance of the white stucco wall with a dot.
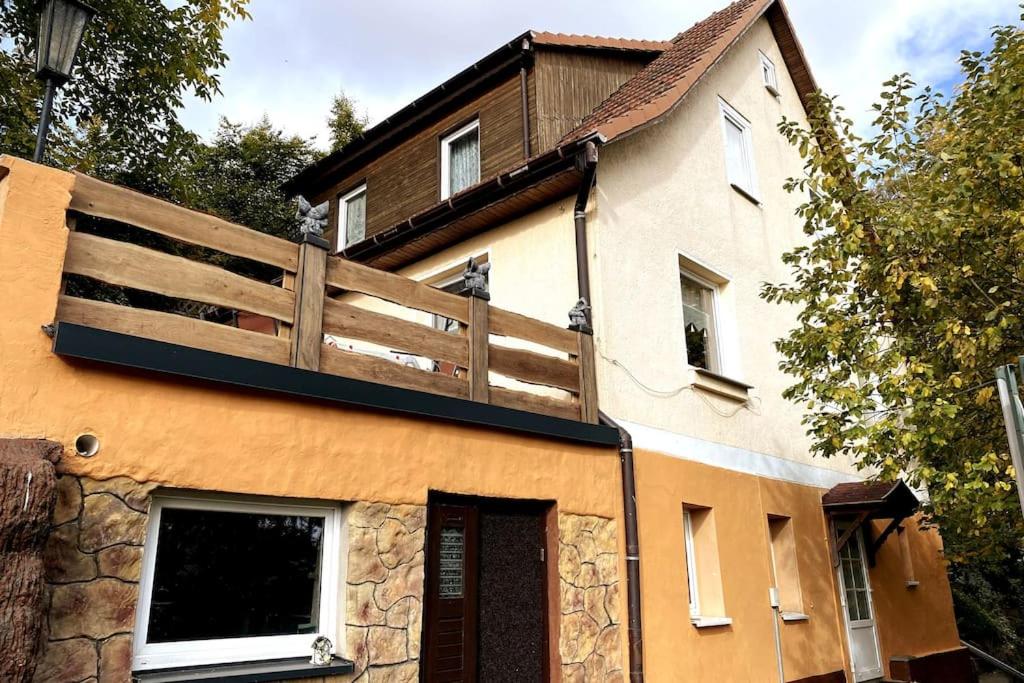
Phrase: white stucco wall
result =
(663, 192)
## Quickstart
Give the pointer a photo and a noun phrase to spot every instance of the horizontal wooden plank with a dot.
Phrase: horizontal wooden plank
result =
(104, 200)
(382, 371)
(346, 320)
(509, 324)
(129, 265)
(534, 368)
(355, 277)
(173, 329)
(532, 403)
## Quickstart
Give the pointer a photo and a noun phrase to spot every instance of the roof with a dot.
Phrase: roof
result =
(657, 88)
(881, 499)
(598, 42)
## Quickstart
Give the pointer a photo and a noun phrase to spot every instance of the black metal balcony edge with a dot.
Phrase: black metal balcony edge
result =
(88, 343)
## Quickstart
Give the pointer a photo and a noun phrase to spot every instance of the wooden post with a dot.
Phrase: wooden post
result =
(479, 351)
(307, 332)
(588, 373)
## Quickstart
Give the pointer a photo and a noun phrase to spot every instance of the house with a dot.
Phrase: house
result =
(516, 498)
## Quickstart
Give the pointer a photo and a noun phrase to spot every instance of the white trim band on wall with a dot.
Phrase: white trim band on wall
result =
(733, 458)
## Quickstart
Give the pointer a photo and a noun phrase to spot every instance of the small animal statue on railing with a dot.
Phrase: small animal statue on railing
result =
(475, 276)
(578, 315)
(312, 219)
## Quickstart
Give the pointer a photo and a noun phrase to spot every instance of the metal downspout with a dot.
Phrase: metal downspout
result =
(635, 629)
(588, 159)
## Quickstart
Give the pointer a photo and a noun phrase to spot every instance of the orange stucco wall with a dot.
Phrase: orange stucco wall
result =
(911, 621)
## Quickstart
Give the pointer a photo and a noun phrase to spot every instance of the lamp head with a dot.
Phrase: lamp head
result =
(61, 27)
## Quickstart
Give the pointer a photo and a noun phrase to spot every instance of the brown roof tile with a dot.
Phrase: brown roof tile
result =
(858, 492)
(599, 42)
(880, 498)
(656, 88)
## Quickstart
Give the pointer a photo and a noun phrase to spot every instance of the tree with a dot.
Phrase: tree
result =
(344, 124)
(118, 115)
(239, 176)
(910, 291)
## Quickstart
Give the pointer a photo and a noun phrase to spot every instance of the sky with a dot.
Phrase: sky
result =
(293, 56)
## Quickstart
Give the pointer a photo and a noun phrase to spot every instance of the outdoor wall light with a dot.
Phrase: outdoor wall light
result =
(61, 27)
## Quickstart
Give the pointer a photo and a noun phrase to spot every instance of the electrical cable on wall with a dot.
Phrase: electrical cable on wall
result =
(671, 393)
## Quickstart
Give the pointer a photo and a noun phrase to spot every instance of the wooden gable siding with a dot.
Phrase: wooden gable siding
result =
(406, 179)
(569, 85)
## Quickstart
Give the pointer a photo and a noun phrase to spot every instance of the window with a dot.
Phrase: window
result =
(703, 577)
(691, 565)
(785, 572)
(907, 559)
(352, 217)
(235, 580)
(699, 324)
(739, 152)
(460, 159)
(771, 81)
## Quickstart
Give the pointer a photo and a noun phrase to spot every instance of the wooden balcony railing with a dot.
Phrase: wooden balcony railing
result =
(307, 307)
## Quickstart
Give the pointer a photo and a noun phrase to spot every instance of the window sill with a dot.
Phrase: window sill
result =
(248, 672)
(709, 622)
(733, 389)
(795, 616)
(747, 195)
(773, 90)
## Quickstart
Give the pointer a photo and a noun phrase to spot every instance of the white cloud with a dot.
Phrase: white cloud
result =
(293, 56)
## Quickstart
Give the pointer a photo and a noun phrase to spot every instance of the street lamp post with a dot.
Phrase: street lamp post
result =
(61, 27)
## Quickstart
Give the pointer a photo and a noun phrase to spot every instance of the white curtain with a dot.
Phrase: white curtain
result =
(355, 219)
(464, 161)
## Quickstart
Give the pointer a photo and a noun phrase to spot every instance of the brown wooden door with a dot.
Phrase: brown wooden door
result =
(452, 582)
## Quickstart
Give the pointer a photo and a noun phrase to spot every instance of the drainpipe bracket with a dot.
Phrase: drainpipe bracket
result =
(584, 329)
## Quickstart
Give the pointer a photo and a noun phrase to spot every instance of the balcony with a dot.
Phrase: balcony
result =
(501, 368)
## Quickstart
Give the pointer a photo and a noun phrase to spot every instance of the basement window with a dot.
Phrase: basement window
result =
(460, 159)
(703, 573)
(352, 217)
(235, 580)
(739, 152)
(768, 74)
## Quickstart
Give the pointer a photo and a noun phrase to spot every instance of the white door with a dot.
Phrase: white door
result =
(855, 593)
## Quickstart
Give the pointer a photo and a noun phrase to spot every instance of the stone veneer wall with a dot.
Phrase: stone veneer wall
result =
(93, 560)
(384, 610)
(588, 566)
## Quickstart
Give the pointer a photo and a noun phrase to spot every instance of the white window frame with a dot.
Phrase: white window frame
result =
(692, 584)
(230, 650)
(446, 145)
(715, 355)
(730, 115)
(769, 74)
(343, 201)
